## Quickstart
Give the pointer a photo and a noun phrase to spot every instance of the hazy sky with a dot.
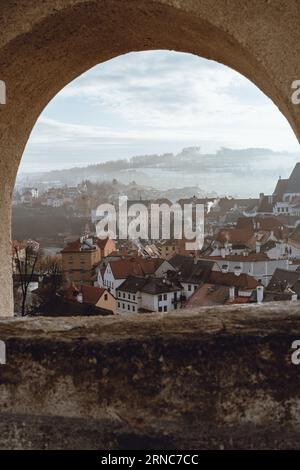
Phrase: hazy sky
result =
(153, 102)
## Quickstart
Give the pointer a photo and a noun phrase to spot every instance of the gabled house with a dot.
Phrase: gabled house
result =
(116, 272)
(91, 298)
(226, 288)
(190, 272)
(284, 285)
(141, 295)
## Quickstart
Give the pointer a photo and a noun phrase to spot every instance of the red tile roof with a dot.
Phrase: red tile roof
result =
(91, 294)
(243, 280)
(235, 235)
(124, 268)
(208, 294)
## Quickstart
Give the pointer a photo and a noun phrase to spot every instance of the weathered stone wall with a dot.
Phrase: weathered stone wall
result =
(44, 45)
(213, 378)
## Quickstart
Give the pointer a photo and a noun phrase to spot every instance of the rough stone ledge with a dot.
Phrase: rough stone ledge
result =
(255, 319)
(208, 378)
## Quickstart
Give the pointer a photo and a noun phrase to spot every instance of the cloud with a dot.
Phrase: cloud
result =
(149, 99)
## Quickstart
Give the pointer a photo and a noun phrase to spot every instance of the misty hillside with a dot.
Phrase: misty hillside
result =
(244, 172)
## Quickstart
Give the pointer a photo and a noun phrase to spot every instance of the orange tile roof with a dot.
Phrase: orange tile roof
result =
(230, 279)
(124, 268)
(208, 294)
(91, 294)
(235, 235)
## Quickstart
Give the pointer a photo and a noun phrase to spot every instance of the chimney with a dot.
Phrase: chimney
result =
(237, 270)
(259, 294)
(224, 268)
(231, 293)
(223, 253)
(80, 298)
(257, 247)
(294, 297)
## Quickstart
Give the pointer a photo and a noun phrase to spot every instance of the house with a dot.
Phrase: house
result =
(257, 265)
(294, 243)
(285, 198)
(226, 288)
(18, 254)
(100, 298)
(91, 296)
(141, 295)
(190, 272)
(169, 248)
(28, 195)
(80, 257)
(116, 272)
(284, 285)
(128, 295)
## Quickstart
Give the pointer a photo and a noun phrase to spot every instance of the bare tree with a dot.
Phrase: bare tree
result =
(50, 267)
(25, 269)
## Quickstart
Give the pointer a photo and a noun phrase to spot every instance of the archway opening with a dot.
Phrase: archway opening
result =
(58, 43)
(159, 126)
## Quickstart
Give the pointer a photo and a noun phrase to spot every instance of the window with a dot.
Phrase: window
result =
(159, 298)
(133, 308)
(165, 308)
(129, 296)
(105, 296)
(123, 305)
(123, 295)
(133, 297)
(128, 307)
(195, 287)
(119, 294)
(189, 287)
(160, 309)
(119, 305)
(165, 296)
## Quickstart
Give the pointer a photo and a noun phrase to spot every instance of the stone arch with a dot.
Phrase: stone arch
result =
(45, 45)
